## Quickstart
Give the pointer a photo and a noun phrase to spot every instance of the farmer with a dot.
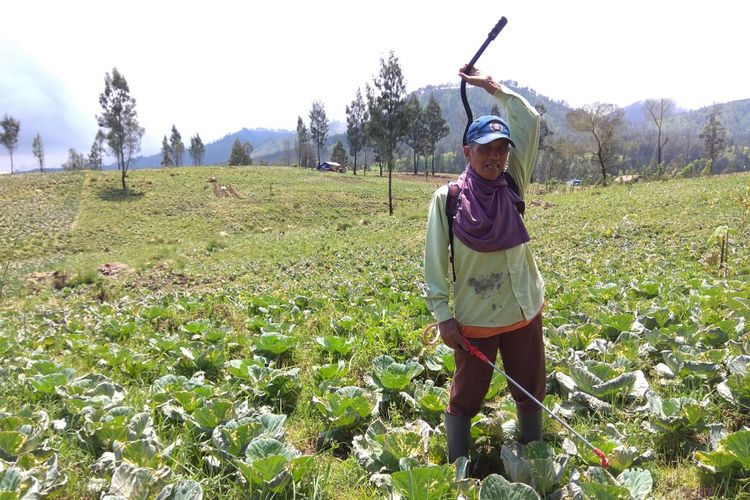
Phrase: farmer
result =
(498, 291)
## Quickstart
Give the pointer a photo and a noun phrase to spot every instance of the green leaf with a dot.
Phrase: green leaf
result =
(516, 467)
(10, 479)
(424, 483)
(197, 326)
(638, 482)
(301, 467)
(144, 453)
(599, 491)
(335, 345)
(213, 413)
(345, 407)
(738, 443)
(496, 487)
(392, 375)
(442, 359)
(431, 399)
(46, 384)
(11, 442)
(185, 489)
(583, 378)
(274, 343)
(240, 368)
(265, 447)
(331, 371)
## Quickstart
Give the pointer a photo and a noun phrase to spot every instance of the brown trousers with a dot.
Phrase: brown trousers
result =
(522, 353)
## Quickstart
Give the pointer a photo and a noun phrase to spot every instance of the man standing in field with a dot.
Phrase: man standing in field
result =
(498, 291)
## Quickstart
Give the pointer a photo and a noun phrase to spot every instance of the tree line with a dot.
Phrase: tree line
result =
(386, 127)
(384, 122)
(594, 142)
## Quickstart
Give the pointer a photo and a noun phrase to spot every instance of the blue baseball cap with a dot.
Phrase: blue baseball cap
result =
(488, 128)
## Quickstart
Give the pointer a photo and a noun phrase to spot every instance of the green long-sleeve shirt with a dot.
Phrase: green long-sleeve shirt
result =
(492, 289)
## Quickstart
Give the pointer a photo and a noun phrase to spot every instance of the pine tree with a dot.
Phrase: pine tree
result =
(9, 137)
(713, 136)
(178, 147)
(356, 118)
(416, 129)
(240, 154)
(318, 125)
(166, 153)
(386, 105)
(197, 150)
(96, 155)
(37, 149)
(119, 118)
(338, 154)
(437, 127)
(303, 141)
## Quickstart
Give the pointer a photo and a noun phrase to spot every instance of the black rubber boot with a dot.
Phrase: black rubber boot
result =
(457, 430)
(529, 427)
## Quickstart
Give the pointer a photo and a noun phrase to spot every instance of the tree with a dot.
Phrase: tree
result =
(197, 150)
(96, 155)
(713, 137)
(9, 137)
(37, 149)
(416, 130)
(120, 120)
(338, 154)
(178, 147)
(356, 118)
(437, 128)
(318, 125)
(166, 153)
(601, 120)
(558, 156)
(240, 154)
(386, 105)
(303, 143)
(76, 161)
(657, 110)
(544, 134)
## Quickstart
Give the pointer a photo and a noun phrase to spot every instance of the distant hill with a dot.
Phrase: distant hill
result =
(274, 146)
(269, 146)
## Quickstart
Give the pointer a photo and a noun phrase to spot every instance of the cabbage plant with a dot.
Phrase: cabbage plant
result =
(604, 381)
(732, 453)
(672, 415)
(631, 484)
(394, 376)
(345, 407)
(535, 464)
(233, 438)
(430, 399)
(335, 345)
(274, 343)
(621, 455)
(271, 465)
(382, 448)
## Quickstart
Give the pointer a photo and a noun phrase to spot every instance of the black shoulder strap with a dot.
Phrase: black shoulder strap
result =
(451, 207)
(520, 206)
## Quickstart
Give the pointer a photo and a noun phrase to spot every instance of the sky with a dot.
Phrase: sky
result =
(216, 67)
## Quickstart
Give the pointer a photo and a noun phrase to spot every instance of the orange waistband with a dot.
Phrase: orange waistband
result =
(482, 332)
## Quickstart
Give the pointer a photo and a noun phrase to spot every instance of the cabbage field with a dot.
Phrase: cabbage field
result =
(174, 343)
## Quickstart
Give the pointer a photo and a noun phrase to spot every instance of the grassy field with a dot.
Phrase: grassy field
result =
(263, 339)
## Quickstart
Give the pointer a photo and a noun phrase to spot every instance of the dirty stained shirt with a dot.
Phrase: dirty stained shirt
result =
(497, 291)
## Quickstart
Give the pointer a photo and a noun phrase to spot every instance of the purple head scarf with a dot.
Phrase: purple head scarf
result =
(487, 219)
